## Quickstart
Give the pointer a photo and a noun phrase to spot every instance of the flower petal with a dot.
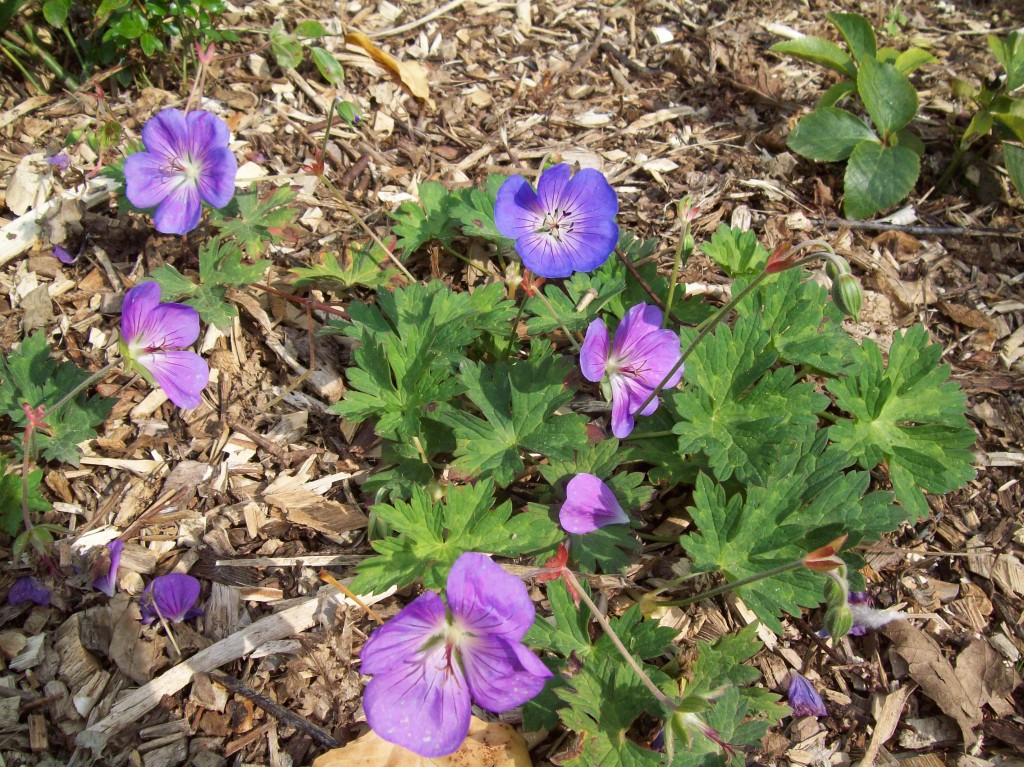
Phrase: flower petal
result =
(402, 637)
(622, 417)
(180, 210)
(587, 247)
(29, 589)
(165, 134)
(644, 350)
(589, 505)
(182, 375)
(487, 600)
(589, 196)
(594, 352)
(502, 674)
(167, 327)
(217, 178)
(551, 188)
(148, 180)
(138, 304)
(543, 255)
(106, 580)
(174, 595)
(422, 706)
(206, 132)
(517, 208)
(803, 698)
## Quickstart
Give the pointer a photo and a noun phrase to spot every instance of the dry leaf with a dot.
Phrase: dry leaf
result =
(489, 744)
(412, 74)
(930, 669)
(30, 185)
(135, 656)
(986, 677)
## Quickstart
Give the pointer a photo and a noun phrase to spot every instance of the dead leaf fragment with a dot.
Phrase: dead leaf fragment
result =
(986, 677)
(411, 74)
(930, 669)
(30, 185)
(489, 744)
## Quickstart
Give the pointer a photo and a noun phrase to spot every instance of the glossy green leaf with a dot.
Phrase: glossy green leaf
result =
(858, 34)
(819, 51)
(878, 177)
(829, 134)
(887, 94)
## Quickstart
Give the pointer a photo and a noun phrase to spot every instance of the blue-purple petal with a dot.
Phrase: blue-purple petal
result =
(107, 580)
(803, 698)
(182, 375)
(180, 210)
(29, 589)
(404, 635)
(138, 304)
(501, 674)
(484, 599)
(174, 595)
(217, 179)
(589, 505)
(63, 255)
(594, 352)
(551, 187)
(517, 210)
(422, 705)
(165, 134)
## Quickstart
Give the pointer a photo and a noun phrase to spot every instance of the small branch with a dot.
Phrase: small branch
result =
(318, 734)
(935, 231)
(636, 276)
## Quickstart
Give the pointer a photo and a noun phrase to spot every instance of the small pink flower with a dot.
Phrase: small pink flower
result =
(589, 504)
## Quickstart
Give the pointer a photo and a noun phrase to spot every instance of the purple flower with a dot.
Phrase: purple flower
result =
(865, 617)
(803, 698)
(63, 255)
(152, 335)
(61, 161)
(105, 569)
(565, 226)
(186, 161)
(640, 357)
(29, 589)
(589, 504)
(429, 662)
(174, 595)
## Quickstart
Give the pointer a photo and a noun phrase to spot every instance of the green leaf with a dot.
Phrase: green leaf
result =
(829, 134)
(803, 326)
(28, 374)
(908, 416)
(433, 534)
(878, 177)
(1009, 114)
(836, 93)
(173, 284)
(738, 252)
(1013, 159)
(286, 48)
(310, 28)
(473, 209)
(255, 222)
(913, 59)
(738, 411)
(518, 403)
(1009, 51)
(858, 34)
(365, 264)
(979, 126)
(431, 219)
(887, 94)
(56, 12)
(332, 71)
(109, 6)
(907, 138)
(10, 498)
(806, 500)
(150, 44)
(819, 51)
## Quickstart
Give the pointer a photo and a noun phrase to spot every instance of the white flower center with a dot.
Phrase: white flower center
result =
(556, 224)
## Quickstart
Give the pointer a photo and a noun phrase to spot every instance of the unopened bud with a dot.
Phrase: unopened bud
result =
(835, 266)
(847, 295)
(838, 621)
(836, 593)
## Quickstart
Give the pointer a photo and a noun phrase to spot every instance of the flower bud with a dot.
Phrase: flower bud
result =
(839, 621)
(836, 266)
(835, 592)
(847, 295)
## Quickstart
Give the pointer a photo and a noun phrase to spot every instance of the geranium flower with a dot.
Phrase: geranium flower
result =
(589, 505)
(639, 358)
(174, 595)
(803, 698)
(186, 162)
(29, 589)
(429, 662)
(565, 226)
(105, 569)
(152, 335)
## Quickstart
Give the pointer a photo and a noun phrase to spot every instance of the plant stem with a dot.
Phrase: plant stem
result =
(727, 587)
(99, 374)
(661, 697)
(513, 335)
(676, 265)
(652, 434)
(558, 319)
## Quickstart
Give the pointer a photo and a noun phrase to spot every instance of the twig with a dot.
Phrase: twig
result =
(936, 231)
(636, 276)
(318, 734)
(447, 7)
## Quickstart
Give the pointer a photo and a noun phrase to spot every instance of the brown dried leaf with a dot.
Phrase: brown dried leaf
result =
(986, 677)
(489, 744)
(930, 669)
(136, 657)
(411, 74)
